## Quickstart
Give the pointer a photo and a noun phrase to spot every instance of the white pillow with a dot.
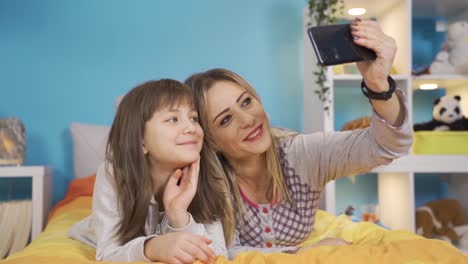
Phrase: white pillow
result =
(89, 145)
(117, 101)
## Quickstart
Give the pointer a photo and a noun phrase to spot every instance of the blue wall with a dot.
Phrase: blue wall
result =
(66, 61)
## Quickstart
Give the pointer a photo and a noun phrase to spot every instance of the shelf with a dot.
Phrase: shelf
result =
(442, 80)
(436, 8)
(354, 77)
(357, 78)
(373, 10)
(41, 192)
(427, 164)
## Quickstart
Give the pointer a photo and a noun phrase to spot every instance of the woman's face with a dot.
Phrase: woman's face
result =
(237, 121)
(173, 137)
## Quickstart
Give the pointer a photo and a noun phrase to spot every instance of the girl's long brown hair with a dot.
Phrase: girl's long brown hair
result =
(214, 165)
(131, 168)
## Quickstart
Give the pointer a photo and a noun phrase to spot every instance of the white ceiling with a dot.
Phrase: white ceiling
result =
(448, 9)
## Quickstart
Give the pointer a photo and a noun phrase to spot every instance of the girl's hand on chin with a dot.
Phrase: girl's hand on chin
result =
(177, 197)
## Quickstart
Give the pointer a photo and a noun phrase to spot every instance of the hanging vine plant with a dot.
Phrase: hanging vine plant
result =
(323, 12)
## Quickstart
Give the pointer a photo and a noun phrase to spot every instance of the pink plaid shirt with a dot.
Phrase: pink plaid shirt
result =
(308, 163)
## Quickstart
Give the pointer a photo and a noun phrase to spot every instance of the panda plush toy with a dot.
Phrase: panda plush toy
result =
(446, 115)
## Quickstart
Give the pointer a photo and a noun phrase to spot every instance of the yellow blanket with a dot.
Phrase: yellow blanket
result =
(371, 244)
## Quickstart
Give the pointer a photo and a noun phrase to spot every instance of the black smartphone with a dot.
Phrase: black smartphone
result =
(333, 44)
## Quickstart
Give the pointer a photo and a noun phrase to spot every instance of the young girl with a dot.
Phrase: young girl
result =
(143, 190)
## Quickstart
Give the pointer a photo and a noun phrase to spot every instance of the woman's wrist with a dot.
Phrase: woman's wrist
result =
(377, 86)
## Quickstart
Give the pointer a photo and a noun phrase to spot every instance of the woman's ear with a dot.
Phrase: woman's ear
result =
(145, 150)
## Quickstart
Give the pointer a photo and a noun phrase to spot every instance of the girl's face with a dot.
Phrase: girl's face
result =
(237, 121)
(173, 137)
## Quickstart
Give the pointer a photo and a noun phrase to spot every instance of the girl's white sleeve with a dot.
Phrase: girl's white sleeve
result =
(213, 231)
(99, 229)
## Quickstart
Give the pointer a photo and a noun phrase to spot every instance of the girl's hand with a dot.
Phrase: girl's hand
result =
(375, 72)
(329, 241)
(179, 247)
(177, 198)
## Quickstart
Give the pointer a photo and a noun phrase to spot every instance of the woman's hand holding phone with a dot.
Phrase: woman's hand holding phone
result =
(368, 33)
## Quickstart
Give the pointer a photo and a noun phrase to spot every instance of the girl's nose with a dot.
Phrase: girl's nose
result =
(189, 126)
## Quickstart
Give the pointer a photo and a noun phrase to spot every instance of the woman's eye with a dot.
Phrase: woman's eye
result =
(225, 120)
(247, 101)
(172, 119)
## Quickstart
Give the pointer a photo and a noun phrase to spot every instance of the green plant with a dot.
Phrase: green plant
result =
(323, 12)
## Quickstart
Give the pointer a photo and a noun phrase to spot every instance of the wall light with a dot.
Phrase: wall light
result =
(428, 86)
(357, 11)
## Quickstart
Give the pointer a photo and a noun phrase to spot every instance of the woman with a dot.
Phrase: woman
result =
(144, 189)
(276, 178)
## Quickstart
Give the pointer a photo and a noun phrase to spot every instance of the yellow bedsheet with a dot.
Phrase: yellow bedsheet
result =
(372, 244)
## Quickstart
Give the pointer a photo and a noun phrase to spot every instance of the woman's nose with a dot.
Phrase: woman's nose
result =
(247, 120)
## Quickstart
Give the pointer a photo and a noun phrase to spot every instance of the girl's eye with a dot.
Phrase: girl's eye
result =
(195, 119)
(247, 101)
(225, 120)
(172, 119)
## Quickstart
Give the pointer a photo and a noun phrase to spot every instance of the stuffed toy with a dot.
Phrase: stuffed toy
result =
(357, 123)
(452, 58)
(12, 141)
(446, 115)
(442, 219)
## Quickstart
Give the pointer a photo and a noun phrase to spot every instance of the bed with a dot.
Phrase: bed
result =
(371, 243)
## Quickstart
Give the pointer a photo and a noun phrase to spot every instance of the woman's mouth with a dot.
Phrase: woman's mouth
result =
(255, 134)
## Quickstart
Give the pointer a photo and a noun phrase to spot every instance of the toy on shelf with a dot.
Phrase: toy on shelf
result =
(369, 213)
(452, 58)
(446, 115)
(12, 141)
(357, 123)
(442, 219)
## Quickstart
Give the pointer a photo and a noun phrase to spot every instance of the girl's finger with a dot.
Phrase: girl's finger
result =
(202, 243)
(197, 252)
(175, 260)
(185, 257)
(195, 169)
(174, 178)
(186, 178)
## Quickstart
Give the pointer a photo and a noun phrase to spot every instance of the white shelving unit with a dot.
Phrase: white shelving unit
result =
(41, 192)
(395, 181)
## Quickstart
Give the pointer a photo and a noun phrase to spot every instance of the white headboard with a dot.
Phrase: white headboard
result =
(89, 145)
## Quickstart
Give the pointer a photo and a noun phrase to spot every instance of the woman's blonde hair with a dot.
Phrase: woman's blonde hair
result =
(131, 168)
(214, 163)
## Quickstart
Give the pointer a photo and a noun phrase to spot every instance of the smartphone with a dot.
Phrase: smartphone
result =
(333, 44)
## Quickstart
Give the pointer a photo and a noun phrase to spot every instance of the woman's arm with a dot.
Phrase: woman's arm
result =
(321, 157)
(368, 33)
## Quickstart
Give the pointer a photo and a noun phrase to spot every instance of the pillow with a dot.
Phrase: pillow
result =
(77, 188)
(117, 101)
(89, 145)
